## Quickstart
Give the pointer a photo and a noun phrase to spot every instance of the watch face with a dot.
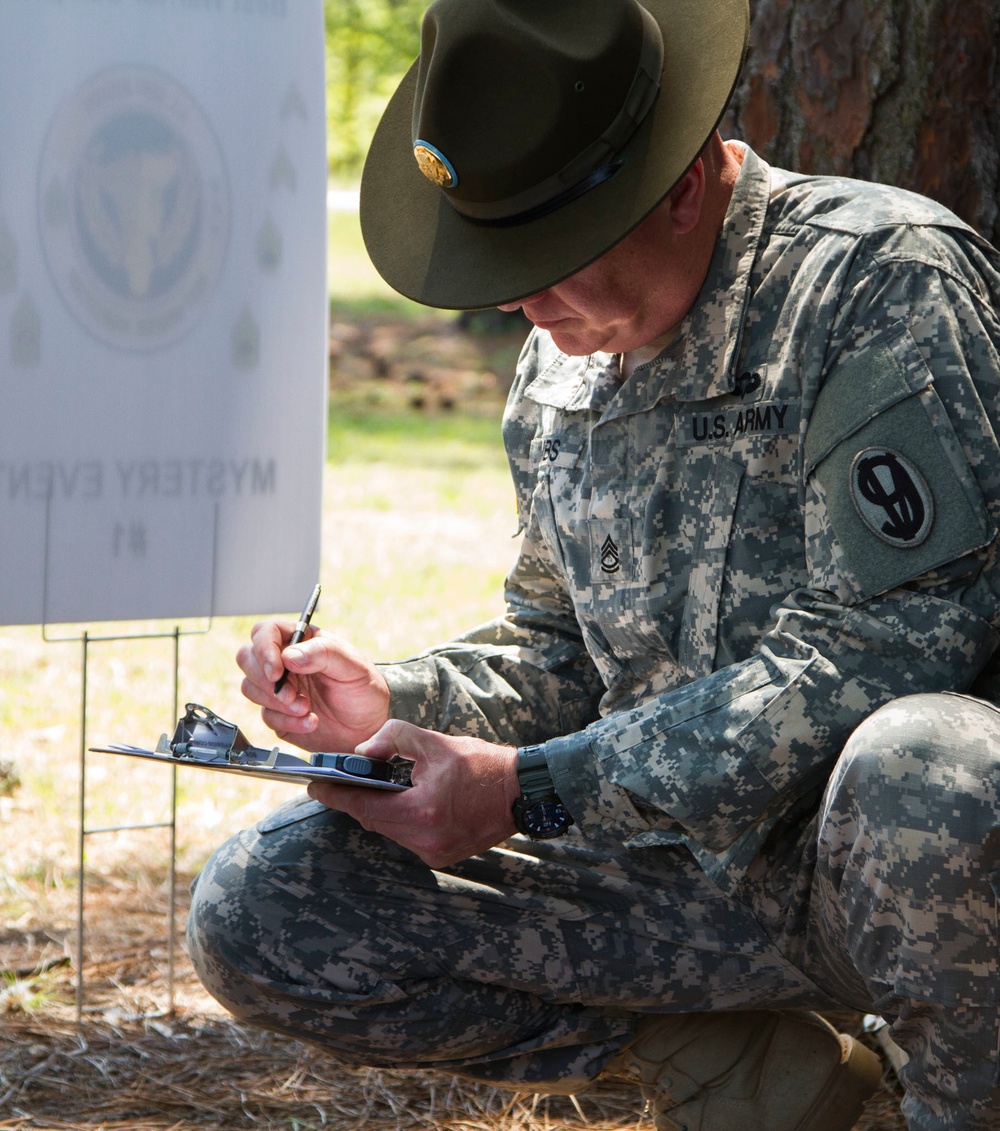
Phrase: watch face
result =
(546, 819)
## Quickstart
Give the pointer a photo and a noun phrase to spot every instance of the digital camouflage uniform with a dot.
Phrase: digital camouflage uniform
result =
(746, 576)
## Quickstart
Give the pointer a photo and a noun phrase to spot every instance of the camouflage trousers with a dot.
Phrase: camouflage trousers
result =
(532, 964)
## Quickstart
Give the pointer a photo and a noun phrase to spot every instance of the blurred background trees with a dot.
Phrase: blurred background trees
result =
(901, 91)
(369, 46)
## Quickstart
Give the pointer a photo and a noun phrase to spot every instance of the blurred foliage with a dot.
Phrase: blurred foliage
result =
(370, 44)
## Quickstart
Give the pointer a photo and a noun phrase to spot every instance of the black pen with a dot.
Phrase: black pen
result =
(299, 632)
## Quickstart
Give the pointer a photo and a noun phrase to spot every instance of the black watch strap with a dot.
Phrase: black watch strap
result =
(538, 812)
(533, 774)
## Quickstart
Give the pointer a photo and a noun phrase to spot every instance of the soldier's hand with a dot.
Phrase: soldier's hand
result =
(334, 696)
(460, 801)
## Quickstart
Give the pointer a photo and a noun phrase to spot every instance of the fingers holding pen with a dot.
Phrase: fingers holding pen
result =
(261, 659)
(299, 632)
(334, 698)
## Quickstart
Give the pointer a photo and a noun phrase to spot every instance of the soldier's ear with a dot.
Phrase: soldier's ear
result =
(687, 197)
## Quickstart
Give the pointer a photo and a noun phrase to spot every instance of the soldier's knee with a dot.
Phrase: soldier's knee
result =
(221, 924)
(908, 845)
(927, 761)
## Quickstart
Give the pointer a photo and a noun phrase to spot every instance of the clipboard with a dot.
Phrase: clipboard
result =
(205, 740)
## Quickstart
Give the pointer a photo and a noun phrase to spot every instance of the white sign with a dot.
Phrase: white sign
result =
(163, 310)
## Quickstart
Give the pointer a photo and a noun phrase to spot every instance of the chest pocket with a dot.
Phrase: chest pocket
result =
(700, 623)
(657, 575)
(643, 547)
(556, 457)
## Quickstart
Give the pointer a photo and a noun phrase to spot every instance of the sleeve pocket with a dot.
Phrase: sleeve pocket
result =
(900, 496)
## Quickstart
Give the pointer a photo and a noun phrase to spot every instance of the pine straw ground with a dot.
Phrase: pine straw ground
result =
(129, 1065)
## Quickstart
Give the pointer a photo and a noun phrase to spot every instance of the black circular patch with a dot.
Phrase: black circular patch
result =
(891, 497)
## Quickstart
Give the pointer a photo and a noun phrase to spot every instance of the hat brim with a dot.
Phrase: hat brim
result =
(429, 252)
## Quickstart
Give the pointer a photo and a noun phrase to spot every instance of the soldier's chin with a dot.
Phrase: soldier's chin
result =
(571, 337)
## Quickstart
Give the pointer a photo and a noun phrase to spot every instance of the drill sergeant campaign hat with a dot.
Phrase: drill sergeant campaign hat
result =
(530, 136)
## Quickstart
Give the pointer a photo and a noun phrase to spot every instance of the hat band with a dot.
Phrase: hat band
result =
(554, 203)
(597, 163)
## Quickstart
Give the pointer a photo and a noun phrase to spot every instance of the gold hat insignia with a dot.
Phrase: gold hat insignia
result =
(434, 165)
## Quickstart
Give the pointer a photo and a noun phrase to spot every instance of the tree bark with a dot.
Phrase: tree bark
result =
(905, 92)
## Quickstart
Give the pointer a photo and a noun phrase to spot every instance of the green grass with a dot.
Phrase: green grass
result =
(351, 275)
(440, 442)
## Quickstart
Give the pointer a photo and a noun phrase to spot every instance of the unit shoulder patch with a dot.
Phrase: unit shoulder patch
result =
(891, 497)
(899, 494)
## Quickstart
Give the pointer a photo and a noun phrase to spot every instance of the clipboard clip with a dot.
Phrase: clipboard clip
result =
(202, 736)
(205, 739)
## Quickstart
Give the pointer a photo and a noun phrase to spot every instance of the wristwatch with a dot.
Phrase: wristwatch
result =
(538, 812)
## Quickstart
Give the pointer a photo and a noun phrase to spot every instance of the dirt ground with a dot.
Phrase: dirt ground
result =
(131, 1062)
(436, 363)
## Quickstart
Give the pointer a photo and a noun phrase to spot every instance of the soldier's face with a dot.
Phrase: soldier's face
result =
(635, 292)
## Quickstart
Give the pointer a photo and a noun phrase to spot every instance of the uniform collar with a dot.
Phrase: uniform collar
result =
(573, 383)
(700, 363)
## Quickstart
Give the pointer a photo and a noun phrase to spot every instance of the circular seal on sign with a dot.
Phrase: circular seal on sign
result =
(891, 497)
(134, 207)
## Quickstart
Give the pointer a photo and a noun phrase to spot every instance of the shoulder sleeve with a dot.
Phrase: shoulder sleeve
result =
(901, 457)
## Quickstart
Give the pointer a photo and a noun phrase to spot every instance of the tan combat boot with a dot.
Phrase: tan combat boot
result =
(755, 1071)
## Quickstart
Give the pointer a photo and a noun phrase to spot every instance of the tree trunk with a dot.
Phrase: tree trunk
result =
(905, 92)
